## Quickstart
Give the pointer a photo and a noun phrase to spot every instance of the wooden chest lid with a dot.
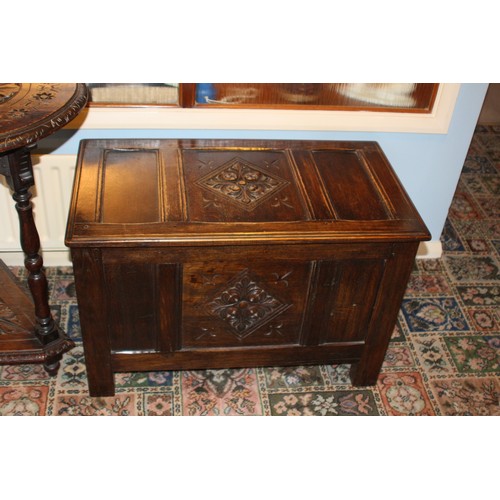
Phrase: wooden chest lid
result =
(180, 192)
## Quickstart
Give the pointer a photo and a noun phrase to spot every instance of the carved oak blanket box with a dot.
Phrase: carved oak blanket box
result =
(195, 254)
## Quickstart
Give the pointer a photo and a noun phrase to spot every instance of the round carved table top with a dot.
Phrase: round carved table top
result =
(31, 111)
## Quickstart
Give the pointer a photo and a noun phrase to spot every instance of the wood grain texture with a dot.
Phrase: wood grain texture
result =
(29, 112)
(238, 253)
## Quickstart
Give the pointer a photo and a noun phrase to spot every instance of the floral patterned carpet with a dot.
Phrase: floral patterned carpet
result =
(443, 358)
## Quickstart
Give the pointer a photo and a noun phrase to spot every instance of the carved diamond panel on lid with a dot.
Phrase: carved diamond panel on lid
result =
(242, 183)
(245, 305)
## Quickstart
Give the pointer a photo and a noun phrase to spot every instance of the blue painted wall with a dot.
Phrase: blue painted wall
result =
(428, 165)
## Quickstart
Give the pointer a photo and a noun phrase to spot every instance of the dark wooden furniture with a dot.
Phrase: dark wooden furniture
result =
(28, 113)
(192, 254)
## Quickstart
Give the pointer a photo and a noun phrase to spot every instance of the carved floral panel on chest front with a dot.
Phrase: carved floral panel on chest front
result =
(232, 304)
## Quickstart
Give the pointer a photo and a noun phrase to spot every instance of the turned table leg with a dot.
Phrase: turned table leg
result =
(18, 171)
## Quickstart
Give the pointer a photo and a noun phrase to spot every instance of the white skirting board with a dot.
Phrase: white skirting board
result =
(54, 181)
(430, 250)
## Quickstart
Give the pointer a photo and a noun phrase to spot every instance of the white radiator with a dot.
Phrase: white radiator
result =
(51, 198)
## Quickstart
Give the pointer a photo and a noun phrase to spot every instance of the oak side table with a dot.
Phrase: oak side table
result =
(28, 113)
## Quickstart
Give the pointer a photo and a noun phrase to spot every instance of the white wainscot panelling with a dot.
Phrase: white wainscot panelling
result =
(51, 198)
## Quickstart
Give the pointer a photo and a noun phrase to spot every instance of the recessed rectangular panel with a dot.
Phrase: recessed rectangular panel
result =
(130, 187)
(132, 306)
(354, 287)
(349, 186)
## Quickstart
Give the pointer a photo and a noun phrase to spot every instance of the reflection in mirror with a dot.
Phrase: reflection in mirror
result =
(380, 94)
(134, 93)
(389, 97)
(412, 97)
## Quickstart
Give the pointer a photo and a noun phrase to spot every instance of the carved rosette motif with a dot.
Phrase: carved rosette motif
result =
(245, 305)
(242, 183)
